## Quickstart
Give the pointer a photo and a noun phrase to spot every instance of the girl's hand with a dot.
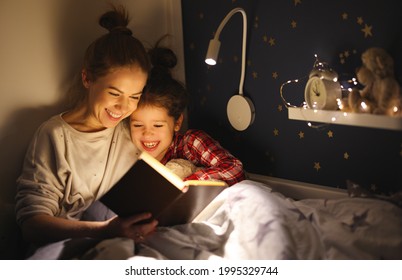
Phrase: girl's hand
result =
(135, 227)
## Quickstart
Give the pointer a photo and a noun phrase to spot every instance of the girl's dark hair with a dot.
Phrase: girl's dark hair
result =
(117, 48)
(162, 90)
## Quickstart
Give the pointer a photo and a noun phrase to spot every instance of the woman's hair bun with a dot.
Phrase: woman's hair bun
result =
(115, 20)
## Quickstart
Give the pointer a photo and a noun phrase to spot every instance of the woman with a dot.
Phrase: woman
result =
(75, 157)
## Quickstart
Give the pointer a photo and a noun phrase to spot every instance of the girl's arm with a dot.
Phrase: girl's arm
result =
(219, 164)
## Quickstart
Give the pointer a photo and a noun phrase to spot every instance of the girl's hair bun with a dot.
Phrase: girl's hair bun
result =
(163, 57)
(162, 60)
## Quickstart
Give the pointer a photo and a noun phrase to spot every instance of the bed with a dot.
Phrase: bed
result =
(266, 218)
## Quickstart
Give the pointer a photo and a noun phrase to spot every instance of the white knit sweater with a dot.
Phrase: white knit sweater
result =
(66, 170)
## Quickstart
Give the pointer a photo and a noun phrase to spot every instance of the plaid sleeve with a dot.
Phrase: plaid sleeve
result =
(218, 163)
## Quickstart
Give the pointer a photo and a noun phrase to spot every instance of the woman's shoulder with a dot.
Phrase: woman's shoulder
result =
(53, 123)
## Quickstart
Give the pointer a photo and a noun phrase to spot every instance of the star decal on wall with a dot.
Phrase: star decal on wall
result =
(255, 75)
(297, 2)
(276, 132)
(360, 20)
(317, 166)
(280, 108)
(330, 134)
(270, 40)
(346, 155)
(301, 134)
(367, 30)
(275, 75)
(293, 24)
(256, 24)
(344, 55)
(345, 16)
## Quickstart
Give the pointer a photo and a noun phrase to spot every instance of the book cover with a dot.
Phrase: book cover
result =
(149, 186)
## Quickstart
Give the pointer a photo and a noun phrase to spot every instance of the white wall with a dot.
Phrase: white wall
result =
(42, 43)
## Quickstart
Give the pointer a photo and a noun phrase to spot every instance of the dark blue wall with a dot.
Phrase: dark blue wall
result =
(331, 29)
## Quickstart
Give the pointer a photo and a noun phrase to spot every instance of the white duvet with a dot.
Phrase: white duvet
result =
(249, 221)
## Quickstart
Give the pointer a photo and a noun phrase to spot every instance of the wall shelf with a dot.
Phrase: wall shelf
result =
(343, 118)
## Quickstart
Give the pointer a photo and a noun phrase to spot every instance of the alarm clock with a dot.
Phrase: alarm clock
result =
(322, 90)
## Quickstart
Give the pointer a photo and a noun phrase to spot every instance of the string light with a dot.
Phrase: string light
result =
(322, 70)
(288, 104)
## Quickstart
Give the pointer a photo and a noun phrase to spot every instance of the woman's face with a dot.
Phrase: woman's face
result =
(113, 97)
(152, 130)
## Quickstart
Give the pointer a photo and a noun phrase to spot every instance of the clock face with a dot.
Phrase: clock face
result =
(322, 94)
(316, 93)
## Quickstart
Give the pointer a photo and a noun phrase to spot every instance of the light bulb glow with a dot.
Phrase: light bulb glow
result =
(210, 61)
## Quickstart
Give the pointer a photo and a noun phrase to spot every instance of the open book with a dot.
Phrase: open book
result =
(149, 186)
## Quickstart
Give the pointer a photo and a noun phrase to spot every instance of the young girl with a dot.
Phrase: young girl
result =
(77, 156)
(156, 122)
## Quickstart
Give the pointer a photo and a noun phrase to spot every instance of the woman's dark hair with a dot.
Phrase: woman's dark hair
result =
(162, 90)
(118, 48)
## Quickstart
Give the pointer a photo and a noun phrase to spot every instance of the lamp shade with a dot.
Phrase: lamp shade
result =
(213, 51)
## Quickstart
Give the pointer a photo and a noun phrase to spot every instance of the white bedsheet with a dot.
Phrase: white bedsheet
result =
(249, 221)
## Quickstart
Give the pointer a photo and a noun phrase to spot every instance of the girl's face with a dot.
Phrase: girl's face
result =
(152, 130)
(113, 97)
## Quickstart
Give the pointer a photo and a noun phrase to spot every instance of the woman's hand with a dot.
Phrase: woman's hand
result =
(135, 227)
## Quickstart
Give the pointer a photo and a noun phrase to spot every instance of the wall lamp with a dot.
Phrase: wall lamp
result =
(240, 109)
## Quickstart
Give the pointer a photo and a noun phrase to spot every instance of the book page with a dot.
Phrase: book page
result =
(163, 170)
(205, 183)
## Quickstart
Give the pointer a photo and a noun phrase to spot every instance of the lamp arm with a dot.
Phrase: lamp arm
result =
(218, 32)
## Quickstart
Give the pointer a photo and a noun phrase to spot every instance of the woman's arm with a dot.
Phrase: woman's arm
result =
(41, 229)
